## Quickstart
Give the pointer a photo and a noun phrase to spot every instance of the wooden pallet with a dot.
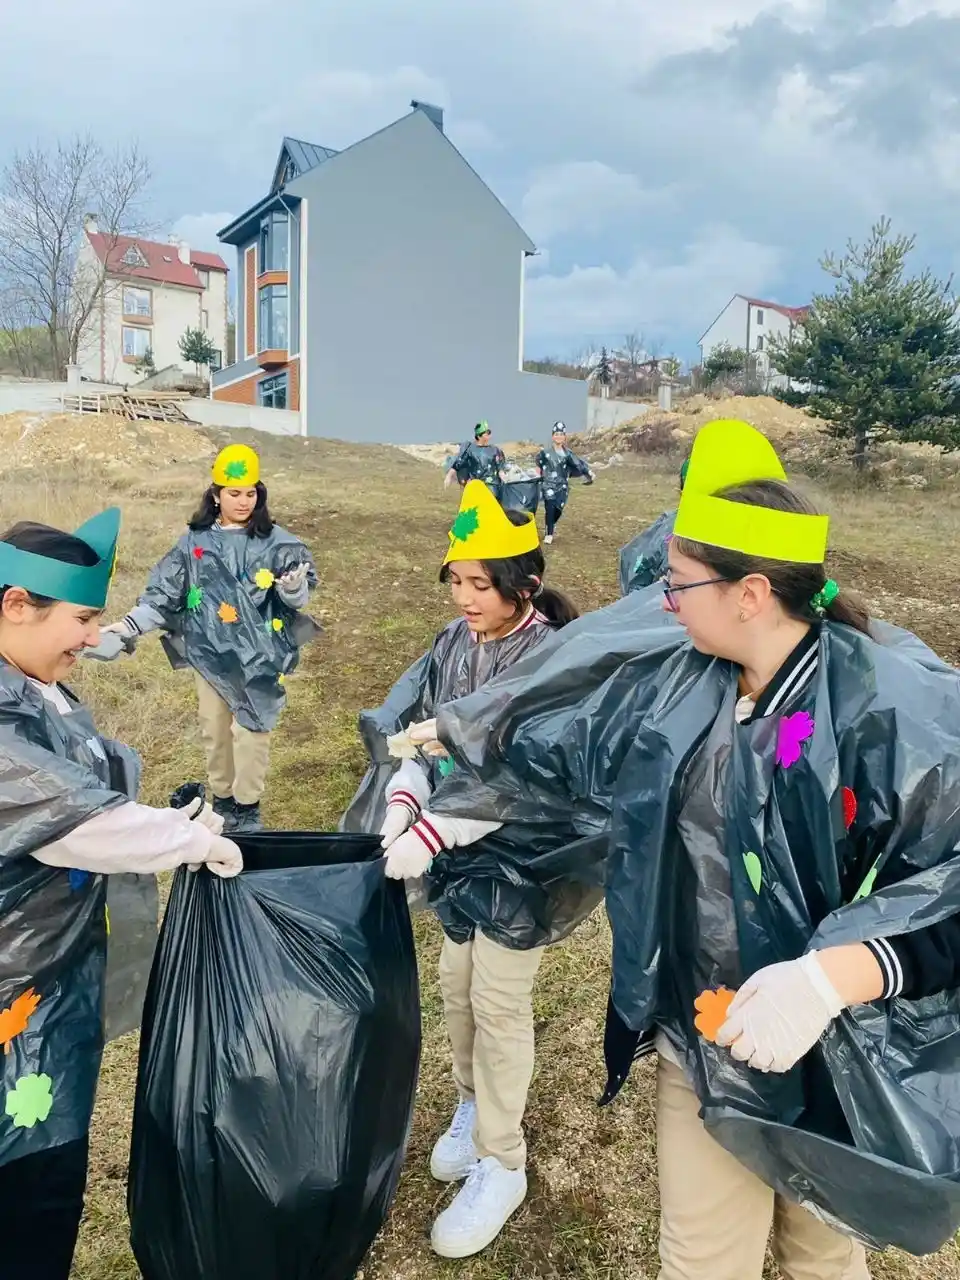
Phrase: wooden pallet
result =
(155, 406)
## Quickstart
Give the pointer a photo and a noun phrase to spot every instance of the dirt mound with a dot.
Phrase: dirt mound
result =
(44, 440)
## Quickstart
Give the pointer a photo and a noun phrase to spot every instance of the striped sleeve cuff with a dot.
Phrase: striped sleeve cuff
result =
(407, 799)
(427, 833)
(889, 962)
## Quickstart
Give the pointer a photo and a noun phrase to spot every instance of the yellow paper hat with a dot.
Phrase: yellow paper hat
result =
(727, 453)
(237, 464)
(482, 530)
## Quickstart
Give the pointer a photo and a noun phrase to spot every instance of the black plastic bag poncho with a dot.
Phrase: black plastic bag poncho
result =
(223, 616)
(644, 559)
(513, 885)
(480, 462)
(865, 1131)
(75, 948)
(278, 1065)
(557, 468)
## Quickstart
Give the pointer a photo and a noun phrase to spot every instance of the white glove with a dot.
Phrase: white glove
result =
(111, 645)
(398, 819)
(121, 628)
(424, 735)
(779, 1014)
(449, 479)
(224, 858)
(294, 579)
(200, 812)
(409, 856)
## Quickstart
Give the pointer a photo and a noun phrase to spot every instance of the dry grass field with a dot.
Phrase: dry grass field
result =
(376, 521)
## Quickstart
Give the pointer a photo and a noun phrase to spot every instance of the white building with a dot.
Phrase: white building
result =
(380, 293)
(750, 323)
(153, 293)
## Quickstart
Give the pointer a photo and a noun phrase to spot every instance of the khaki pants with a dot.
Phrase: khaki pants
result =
(716, 1216)
(488, 1001)
(237, 759)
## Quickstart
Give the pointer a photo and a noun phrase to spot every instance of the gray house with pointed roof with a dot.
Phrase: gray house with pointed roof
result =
(380, 293)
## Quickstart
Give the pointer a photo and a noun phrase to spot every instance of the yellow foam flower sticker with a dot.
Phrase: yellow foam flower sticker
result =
(264, 579)
(278, 624)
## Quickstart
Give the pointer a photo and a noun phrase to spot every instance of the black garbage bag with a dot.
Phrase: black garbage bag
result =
(520, 495)
(643, 560)
(278, 1065)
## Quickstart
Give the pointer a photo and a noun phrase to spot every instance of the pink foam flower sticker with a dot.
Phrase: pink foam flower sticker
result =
(792, 733)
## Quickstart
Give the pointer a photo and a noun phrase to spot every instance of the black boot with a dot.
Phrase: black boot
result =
(227, 809)
(247, 818)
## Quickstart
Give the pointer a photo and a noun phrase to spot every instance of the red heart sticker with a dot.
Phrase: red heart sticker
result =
(849, 807)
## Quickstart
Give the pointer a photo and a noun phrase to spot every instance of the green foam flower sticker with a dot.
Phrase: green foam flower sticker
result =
(194, 598)
(466, 524)
(30, 1101)
(754, 870)
(236, 470)
(446, 765)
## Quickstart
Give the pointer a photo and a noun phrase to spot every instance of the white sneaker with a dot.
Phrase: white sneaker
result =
(490, 1196)
(454, 1154)
(548, 539)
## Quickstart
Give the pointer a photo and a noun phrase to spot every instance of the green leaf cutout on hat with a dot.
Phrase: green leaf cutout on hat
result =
(236, 470)
(466, 524)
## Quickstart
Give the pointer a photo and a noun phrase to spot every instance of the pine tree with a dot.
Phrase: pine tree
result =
(879, 358)
(196, 348)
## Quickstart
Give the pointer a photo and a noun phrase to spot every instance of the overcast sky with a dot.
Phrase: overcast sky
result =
(662, 155)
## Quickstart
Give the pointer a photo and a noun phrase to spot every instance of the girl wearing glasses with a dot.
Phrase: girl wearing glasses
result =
(783, 884)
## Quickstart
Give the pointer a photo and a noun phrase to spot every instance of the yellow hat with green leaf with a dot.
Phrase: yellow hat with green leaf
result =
(483, 531)
(236, 465)
(727, 453)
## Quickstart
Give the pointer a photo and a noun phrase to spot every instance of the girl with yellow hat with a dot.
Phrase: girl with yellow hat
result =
(229, 599)
(494, 567)
(780, 779)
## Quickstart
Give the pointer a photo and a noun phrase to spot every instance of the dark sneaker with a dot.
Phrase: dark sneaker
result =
(227, 809)
(247, 818)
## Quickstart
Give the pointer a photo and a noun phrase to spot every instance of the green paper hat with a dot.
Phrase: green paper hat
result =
(75, 583)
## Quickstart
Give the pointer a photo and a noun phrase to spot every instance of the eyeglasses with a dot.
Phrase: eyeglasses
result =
(671, 592)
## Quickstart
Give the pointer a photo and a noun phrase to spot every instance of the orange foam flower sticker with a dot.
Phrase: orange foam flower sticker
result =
(712, 1007)
(227, 613)
(14, 1020)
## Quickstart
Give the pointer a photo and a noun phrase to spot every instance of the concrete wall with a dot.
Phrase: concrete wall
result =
(604, 414)
(218, 413)
(412, 307)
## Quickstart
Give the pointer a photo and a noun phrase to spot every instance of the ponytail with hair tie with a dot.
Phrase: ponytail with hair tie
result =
(824, 598)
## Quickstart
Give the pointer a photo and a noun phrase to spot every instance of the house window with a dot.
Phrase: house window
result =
(273, 317)
(136, 342)
(216, 362)
(760, 344)
(204, 320)
(134, 258)
(759, 315)
(273, 391)
(136, 302)
(273, 242)
(204, 277)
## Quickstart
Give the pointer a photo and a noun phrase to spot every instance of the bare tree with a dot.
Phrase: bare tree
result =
(49, 277)
(633, 354)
